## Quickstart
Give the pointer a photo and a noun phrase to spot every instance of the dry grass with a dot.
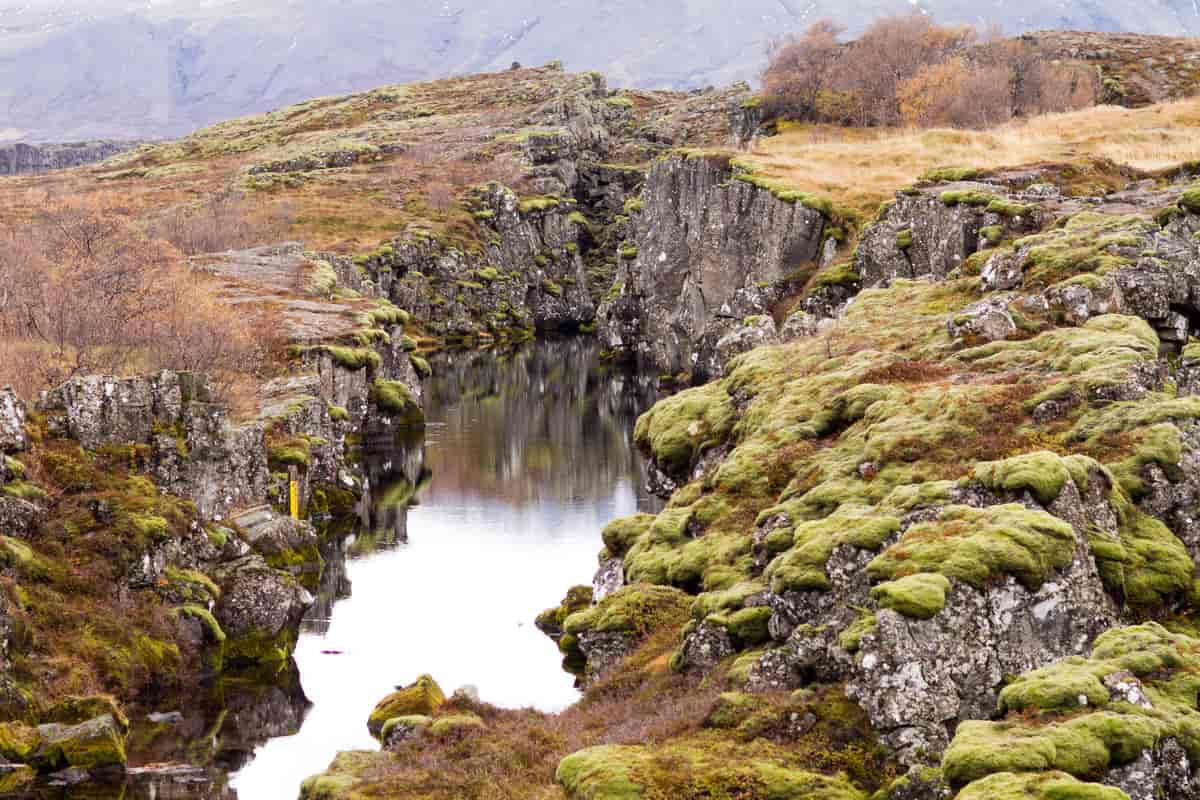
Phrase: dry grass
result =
(862, 168)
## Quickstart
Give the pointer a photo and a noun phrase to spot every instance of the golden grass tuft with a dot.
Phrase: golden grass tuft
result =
(863, 168)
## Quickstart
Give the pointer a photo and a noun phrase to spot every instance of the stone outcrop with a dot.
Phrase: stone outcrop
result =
(21, 158)
(527, 272)
(711, 250)
(196, 452)
(259, 611)
(12, 422)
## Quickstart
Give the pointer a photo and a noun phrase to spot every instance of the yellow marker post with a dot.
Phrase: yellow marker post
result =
(293, 493)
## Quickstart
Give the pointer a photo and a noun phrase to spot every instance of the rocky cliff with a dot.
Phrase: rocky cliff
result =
(711, 250)
(21, 158)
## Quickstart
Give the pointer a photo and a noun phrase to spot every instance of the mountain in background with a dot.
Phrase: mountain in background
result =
(95, 69)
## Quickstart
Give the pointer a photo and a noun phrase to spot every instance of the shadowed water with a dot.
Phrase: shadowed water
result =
(469, 530)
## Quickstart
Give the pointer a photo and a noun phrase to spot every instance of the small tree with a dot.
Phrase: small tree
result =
(800, 68)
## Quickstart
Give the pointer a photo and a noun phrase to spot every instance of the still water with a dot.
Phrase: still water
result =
(470, 533)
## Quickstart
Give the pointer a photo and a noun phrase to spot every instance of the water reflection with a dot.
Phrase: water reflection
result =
(464, 537)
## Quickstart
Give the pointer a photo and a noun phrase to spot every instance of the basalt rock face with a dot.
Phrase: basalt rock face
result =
(527, 272)
(711, 251)
(21, 158)
(196, 452)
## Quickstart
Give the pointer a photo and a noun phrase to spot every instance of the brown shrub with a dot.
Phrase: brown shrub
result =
(86, 290)
(226, 221)
(906, 69)
(800, 68)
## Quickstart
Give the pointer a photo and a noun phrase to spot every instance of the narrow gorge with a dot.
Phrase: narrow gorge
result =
(843, 500)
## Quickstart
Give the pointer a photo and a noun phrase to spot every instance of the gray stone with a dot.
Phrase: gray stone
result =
(712, 251)
(12, 422)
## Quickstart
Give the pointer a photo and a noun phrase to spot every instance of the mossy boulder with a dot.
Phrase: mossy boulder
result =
(636, 609)
(919, 596)
(73, 710)
(455, 725)
(395, 401)
(679, 428)
(422, 697)
(1086, 716)
(1038, 786)
(550, 621)
(97, 743)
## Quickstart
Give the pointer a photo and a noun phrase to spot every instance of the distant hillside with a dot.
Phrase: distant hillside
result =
(129, 69)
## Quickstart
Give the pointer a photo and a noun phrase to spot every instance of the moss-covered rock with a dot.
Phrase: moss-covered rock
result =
(455, 725)
(919, 596)
(1087, 716)
(1038, 786)
(422, 697)
(677, 429)
(637, 609)
(394, 400)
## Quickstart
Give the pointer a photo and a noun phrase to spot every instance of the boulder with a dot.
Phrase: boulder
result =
(96, 744)
(422, 697)
(12, 422)
(260, 610)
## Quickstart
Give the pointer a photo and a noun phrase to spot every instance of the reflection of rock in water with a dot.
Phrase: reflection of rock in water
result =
(518, 411)
(334, 586)
(187, 751)
(394, 462)
(255, 711)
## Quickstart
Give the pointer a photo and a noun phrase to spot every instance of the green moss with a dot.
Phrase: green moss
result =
(578, 598)
(1042, 474)
(633, 205)
(1087, 242)
(628, 253)
(802, 566)
(321, 279)
(421, 366)
(904, 239)
(850, 639)
(412, 721)
(260, 647)
(636, 609)
(678, 429)
(338, 414)
(551, 288)
(919, 596)
(456, 725)
(992, 234)
(1038, 786)
(1190, 200)
(747, 626)
(1110, 733)
(541, 203)
(351, 358)
(393, 399)
(975, 545)
(619, 535)
(422, 697)
(840, 274)
(952, 174)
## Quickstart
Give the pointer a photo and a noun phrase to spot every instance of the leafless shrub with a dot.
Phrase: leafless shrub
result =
(225, 221)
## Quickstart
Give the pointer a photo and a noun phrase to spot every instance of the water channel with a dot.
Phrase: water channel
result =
(471, 528)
